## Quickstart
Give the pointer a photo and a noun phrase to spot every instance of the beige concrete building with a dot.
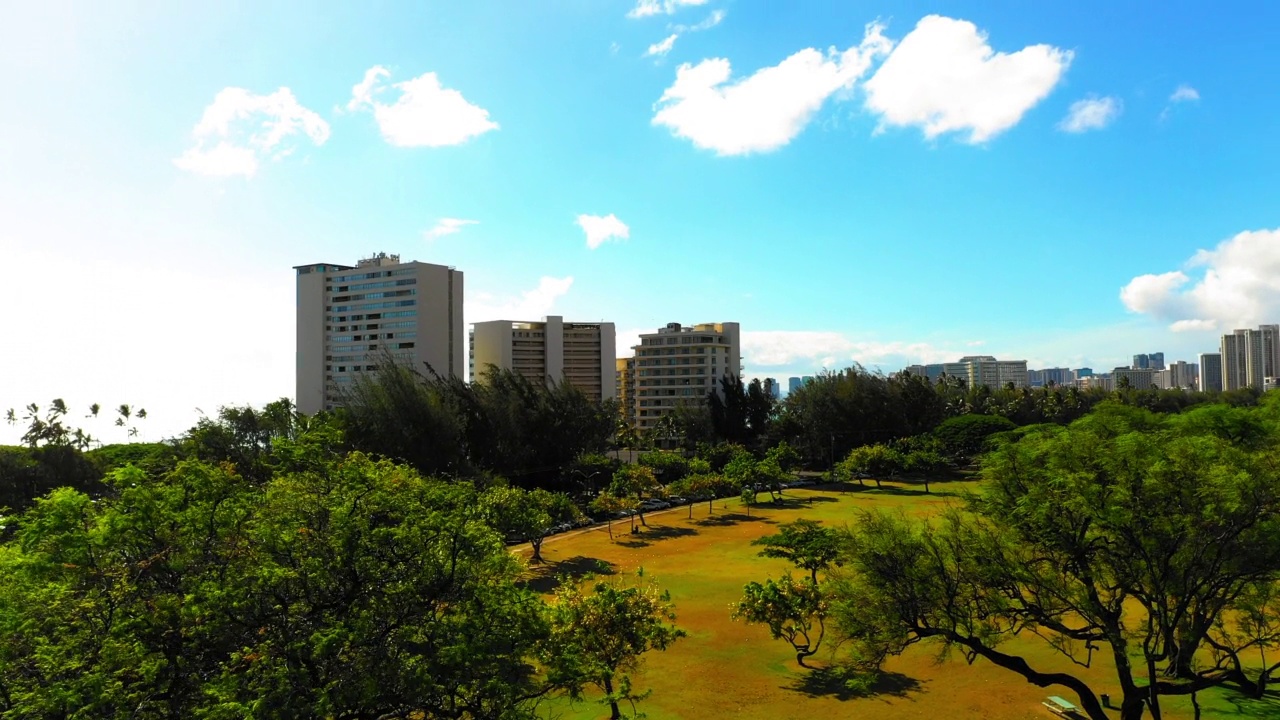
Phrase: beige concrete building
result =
(1138, 378)
(348, 316)
(1249, 357)
(625, 375)
(678, 364)
(549, 351)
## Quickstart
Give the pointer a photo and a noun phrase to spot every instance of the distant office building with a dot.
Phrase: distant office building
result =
(795, 383)
(1095, 381)
(1083, 372)
(678, 365)
(1211, 372)
(771, 388)
(1055, 377)
(1138, 378)
(550, 352)
(1182, 374)
(1149, 361)
(348, 316)
(974, 370)
(1250, 356)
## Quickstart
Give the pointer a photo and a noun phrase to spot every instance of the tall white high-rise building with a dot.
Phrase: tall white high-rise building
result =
(1250, 356)
(549, 351)
(679, 364)
(350, 316)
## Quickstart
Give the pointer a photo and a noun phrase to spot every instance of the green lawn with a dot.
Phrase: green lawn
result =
(730, 670)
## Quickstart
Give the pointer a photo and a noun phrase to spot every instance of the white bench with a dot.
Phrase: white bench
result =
(1061, 707)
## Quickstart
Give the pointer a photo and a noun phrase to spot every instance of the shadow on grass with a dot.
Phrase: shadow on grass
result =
(912, 490)
(834, 682)
(791, 502)
(546, 577)
(1267, 706)
(731, 518)
(650, 535)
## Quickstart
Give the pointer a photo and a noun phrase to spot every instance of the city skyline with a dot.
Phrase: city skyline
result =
(802, 171)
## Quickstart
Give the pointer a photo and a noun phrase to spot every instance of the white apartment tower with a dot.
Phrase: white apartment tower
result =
(349, 316)
(678, 365)
(1249, 357)
(549, 351)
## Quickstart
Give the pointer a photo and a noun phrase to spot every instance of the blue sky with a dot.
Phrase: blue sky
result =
(1070, 183)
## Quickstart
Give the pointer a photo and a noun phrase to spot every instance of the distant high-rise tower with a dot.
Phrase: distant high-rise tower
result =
(1249, 357)
(348, 317)
(1211, 372)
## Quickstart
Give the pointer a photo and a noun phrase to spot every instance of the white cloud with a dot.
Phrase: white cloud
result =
(766, 110)
(711, 21)
(1090, 114)
(240, 128)
(662, 48)
(602, 228)
(426, 115)
(1239, 287)
(649, 8)
(782, 348)
(447, 226)
(944, 77)
(1184, 93)
(528, 305)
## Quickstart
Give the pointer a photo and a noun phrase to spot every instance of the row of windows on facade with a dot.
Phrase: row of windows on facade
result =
(676, 351)
(373, 336)
(370, 348)
(372, 285)
(371, 326)
(370, 275)
(370, 316)
(374, 295)
(371, 306)
(686, 340)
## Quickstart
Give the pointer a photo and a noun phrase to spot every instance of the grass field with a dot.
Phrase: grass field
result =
(725, 669)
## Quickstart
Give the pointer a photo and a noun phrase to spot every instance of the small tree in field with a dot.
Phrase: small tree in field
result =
(599, 634)
(527, 515)
(638, 483)
(748, 497)
(878, 461)
(610, 505)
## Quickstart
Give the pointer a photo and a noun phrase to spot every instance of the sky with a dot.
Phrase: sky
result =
(882, 183)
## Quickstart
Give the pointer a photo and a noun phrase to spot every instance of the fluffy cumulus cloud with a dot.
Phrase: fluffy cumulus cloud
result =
(426, 114)
(1237, 284)
(447, 226)
(1090, 114)
(662, 48)
(649, 8)
(240, 129)
(766, 109)
(599, 229)
(528, 305)
(1184, 93)
(945, 77)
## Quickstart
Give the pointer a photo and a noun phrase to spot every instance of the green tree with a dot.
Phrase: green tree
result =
(528, 515)
(877, 461)
(793, 610)
(803, 543)
(600, 633)
(1114, 535)
(637, 483)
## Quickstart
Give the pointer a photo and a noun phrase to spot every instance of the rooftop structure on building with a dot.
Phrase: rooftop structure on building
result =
(351, 318)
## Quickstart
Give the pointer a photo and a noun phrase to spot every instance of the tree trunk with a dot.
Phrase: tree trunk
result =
(536, 544)
(614, 712)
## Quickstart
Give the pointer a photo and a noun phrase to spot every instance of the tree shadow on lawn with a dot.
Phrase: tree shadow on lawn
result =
(834, 682)
(1268, 706)
(915, 490)
(546, 577)
(727, 518)
(650, 535)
